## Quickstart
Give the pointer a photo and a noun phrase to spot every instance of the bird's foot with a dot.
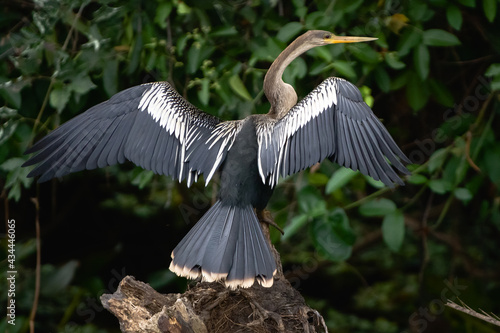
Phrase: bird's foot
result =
(265, 217)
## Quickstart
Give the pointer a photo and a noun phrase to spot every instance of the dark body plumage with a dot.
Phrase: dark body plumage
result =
(155, 128)
(241, 183)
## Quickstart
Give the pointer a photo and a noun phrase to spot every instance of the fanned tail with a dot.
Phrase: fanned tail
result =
(226, 244)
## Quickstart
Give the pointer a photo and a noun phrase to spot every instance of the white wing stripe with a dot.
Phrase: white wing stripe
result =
(331, 122)
(163, 105)
(319, 101)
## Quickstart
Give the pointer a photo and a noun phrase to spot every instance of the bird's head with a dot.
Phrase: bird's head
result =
(321, 37)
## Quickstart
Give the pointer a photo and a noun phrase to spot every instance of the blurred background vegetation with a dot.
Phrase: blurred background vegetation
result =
(370, 259)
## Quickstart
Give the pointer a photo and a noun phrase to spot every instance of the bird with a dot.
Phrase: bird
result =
(154, 127)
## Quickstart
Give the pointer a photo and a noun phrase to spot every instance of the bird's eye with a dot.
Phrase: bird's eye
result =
(327, 36)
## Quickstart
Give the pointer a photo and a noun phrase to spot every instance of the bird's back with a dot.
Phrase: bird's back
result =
(241, 183)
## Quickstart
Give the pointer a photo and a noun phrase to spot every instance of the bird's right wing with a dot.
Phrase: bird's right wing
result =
(331, 122)
(150, 125)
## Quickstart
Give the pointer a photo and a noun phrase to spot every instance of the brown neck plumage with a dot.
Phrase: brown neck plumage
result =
(281, 95)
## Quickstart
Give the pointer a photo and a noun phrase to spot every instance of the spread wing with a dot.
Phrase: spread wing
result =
(150, 125)
(331, 122)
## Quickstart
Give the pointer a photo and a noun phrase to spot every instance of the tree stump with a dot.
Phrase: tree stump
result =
(211, 307)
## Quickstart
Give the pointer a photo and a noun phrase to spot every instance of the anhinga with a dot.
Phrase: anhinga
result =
(155, 128)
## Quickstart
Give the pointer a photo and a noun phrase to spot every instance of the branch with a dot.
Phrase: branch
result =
(489, 318)
(211, 307)
(140, 308)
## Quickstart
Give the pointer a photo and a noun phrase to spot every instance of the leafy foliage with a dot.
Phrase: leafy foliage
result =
(431, 76)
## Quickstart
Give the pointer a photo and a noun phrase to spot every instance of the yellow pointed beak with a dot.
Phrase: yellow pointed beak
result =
(348, 39)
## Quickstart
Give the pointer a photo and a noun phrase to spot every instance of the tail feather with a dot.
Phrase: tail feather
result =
(226, 244)
(253, 256)
(198, 237)
(220, 250)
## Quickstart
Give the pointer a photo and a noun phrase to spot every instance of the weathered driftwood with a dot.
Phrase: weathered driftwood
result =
(211, 307)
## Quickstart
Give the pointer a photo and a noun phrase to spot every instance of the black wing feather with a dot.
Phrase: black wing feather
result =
(334, 123)
(146, 124)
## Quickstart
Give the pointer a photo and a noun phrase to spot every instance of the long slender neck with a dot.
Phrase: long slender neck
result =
(281, 95)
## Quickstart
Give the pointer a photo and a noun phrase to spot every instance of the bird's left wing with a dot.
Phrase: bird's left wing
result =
(150, 125)
(331, 122)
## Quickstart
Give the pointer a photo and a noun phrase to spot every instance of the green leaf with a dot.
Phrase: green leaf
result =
(421, 60)
(110, 77)
(441, 93)
(55, 280)
(181, 44)
(374, 183)
(437, 159)
(289, 31)
(12, 164)
(492, 161)
(393, 230)
(15, 177)
(495, 84)
(348, 6)
(416, 92)
(323, 53)
(340, 225)
(409, 39)
(339, 179)
(438, 37)
(163, 10)
(239, 88)
(317, 179)
(311, 202)
(14, 192)
(204, 92)
(417, 179)
(297, 69)
(143, 178)
(462, 194)
(193, 58)
(364, 53)
(400, 80)
(196, 54)
(224, 32)
(59, 97)
(82, 84)
(301, 9)
(454, 16)
(25, 249)
(11, 91)
(382, 78)
(183, 8)
(333, 237)
(135, 54)
(439, 186)
(392, 59)
(493, 70)
(6, 112)
(7, 129)
(418, 11)
(378, 207)
(295, 224)
(317, 19)
(366, 92)
(490, 9)
(468, 3)
(344, 68)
